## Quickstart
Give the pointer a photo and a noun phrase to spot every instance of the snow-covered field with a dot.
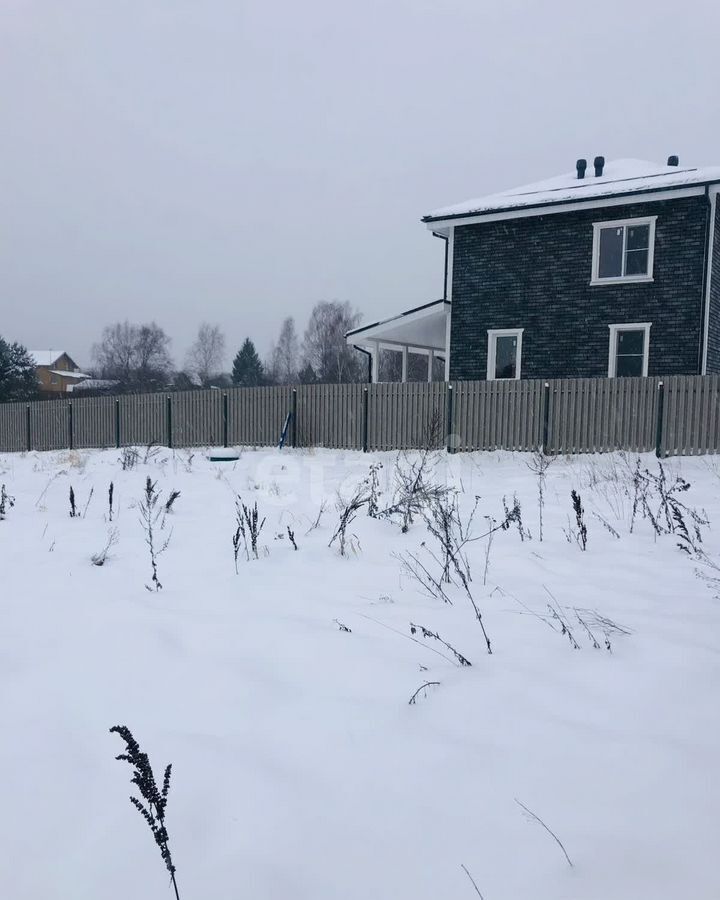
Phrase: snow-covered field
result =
(300, 770)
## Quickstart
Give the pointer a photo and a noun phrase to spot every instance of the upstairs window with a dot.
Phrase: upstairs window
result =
(504, 353)
(623, 251)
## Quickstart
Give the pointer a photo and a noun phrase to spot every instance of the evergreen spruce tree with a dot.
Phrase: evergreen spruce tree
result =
(307, 375)
(247, 368)
(18, 378)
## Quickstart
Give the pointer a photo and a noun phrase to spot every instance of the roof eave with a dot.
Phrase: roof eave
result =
(408, 312)
(521, 211)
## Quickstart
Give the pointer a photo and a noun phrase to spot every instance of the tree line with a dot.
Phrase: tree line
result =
(136, 357)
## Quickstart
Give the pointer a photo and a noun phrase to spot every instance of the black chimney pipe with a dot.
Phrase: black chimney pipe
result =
(599, 163)
(581, 165)
(673, 161)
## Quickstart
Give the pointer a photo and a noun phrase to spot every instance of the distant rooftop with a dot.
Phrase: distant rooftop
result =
(46, 357)
(66, 374)
(619, 176)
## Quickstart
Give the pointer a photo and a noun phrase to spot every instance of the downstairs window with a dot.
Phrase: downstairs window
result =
(629, 350)
(504, 353)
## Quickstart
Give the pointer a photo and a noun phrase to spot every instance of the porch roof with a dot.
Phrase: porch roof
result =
(422, 329)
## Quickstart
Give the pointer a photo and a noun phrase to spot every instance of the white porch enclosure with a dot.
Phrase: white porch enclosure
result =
(423, 330)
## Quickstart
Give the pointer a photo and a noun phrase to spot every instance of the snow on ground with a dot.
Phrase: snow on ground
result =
(300, 769)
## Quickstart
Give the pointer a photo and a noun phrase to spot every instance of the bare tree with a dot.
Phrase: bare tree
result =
(114, 354)
(137, 356)
(207, 354)
(153, 353)
(284, 358)
(325, 348)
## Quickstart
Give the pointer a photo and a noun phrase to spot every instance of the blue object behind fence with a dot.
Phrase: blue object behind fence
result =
(283, 433)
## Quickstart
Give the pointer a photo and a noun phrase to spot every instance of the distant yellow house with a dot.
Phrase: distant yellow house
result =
(56, 371)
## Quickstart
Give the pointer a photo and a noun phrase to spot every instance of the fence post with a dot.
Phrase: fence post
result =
(28, 428)
(449, 420)
(293, 421)
(546, 417)
(660, 416)
(168, 408)
(365, 401)
(70, 425)
(117, 424)
(225, 419)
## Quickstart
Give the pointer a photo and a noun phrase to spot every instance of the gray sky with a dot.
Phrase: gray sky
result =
(230, 161)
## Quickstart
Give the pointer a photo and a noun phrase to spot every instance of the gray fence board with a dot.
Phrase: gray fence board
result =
(143, 418)
(596, 415)
(691, 423)
(583, 416)
(94, 422)
(196, 418)
(330, 415)
(13, 427)
(257, 415)
(497, 415)
(49, 426)
(406, 416)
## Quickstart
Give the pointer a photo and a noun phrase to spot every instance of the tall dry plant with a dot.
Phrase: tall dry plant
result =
(153, 809)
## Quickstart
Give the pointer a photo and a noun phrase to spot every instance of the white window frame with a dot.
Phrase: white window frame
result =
(494, 333)
(628, 326)
(623, 223)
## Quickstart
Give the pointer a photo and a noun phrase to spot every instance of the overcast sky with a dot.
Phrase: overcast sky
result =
(235, 162)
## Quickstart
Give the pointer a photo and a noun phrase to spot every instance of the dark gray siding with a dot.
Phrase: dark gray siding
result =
(713, 354)
(534, 273)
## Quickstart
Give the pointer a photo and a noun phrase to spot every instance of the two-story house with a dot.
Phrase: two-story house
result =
(56, 371)
(609, 270)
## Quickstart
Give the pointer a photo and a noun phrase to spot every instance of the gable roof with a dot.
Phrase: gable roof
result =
(620, 176)
(47, 357)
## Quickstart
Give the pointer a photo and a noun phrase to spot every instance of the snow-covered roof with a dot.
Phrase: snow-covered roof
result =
(66, 374)
(46, 357)
(620, 176)
(421, 327)
(90, 384)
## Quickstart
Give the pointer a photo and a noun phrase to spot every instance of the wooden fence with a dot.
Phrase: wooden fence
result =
(674, 415)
